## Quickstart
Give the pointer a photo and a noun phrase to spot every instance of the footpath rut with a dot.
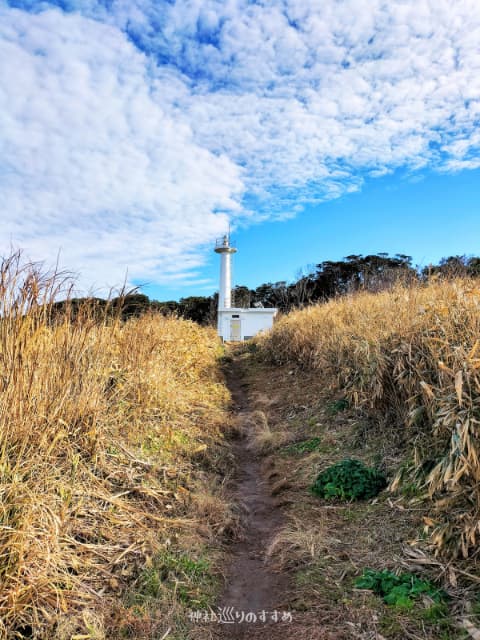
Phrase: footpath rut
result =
(252, 584)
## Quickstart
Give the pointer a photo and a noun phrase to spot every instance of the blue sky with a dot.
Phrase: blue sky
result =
(133, 131)
(428, 217)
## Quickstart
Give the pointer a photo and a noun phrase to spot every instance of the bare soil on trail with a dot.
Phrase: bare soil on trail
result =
(252, 584)
(300, 554)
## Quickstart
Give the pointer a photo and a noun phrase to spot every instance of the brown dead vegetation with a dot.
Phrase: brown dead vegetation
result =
(410, 359)
(110, 443)
(326, 545)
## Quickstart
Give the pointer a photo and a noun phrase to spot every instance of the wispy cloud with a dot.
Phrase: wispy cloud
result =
(128, 126)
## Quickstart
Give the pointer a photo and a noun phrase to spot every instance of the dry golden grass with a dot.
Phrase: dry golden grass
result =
(325, 546)
(261, 437)
(299, 544)
(103, 426)
(411, 358)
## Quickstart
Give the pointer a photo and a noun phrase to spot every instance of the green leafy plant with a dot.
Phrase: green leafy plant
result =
(403, 590)
(305, 446)
(338, 405)
(349, 480)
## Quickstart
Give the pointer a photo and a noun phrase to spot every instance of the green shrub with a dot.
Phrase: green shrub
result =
(402, 590)
(337, 406)
(349, 480)
(305, 446)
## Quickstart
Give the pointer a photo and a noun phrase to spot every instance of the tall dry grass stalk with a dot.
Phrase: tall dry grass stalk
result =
(411, 357)
(99, 423)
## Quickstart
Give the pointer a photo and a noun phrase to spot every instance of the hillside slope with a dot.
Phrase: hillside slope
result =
(111, 449)
(409, 359)
(313, 550)
(389, 380)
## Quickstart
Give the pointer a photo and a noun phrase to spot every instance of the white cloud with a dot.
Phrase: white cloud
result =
(316, 96)
(91, 163)
(122, 151)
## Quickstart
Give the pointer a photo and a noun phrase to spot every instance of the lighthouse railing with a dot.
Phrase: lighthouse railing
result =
(224, 241)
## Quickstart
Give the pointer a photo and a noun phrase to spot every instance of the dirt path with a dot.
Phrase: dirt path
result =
(325, 546)
(252, 585)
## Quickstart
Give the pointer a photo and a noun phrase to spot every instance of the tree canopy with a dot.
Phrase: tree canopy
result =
(321, 282)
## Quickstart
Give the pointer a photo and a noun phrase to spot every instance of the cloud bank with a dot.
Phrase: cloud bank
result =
(131, 130)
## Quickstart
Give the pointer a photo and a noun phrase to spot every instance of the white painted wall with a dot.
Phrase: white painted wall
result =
(225, 292)
(252, 321)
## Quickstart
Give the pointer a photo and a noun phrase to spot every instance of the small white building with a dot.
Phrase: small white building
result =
(234, 323)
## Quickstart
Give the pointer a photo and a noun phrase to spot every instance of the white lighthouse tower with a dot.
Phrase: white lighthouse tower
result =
(225, 250)
(236, 323)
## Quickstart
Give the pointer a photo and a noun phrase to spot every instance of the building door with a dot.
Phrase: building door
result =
(235, 329)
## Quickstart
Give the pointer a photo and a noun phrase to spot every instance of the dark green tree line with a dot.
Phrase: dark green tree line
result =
(321, 282)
